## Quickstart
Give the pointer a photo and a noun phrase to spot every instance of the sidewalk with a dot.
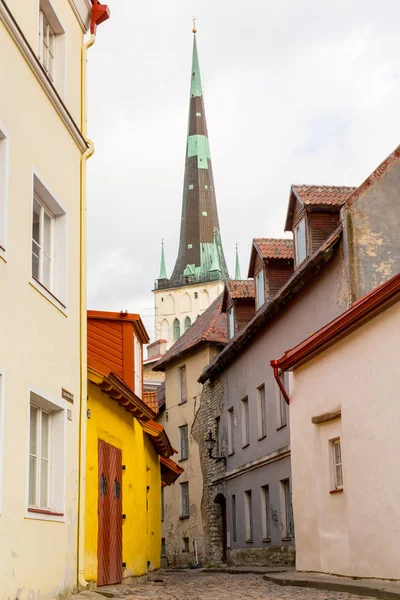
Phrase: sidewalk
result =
(386, 590)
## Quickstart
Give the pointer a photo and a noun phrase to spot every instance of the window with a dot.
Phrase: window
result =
(177, 329)
(52, 45)
(137, 353)
(3, 189)
(184, 499)
(266, 529)
(231, 323)
(245, 422)
(162, 504)
(337, 464)
(234, 534)
(248, 508)
(285, 510)
(282, 414)
(162, 547)
(49, 243)
(260, 289)
(46, 456)
(196, 295)
(188, 323)
(184, 442)
(300, 241)
(185, 544)
(262, 413)
(182, 385)
(231, 431)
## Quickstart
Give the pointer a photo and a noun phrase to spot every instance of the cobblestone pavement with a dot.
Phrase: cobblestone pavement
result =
(195, 585)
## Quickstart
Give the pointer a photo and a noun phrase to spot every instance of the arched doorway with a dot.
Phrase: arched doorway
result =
(221, 501)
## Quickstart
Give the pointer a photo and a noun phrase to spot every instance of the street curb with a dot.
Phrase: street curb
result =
(247, 570)
(358, 589)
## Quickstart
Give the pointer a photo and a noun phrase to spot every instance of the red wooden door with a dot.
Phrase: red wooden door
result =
(109, 541)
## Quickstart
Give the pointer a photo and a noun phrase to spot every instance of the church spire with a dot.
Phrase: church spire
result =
(163, 270)
(238, 275)
(200, 246)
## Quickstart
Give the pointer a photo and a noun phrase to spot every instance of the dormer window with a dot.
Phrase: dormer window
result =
(260, 289)
(300, 242)
(231, 322)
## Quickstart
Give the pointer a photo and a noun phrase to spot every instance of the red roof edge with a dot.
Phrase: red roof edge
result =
(363, 310)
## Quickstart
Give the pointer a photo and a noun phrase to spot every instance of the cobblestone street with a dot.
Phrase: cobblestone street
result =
(195, 585)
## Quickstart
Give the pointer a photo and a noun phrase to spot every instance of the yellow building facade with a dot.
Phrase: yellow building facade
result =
(125, 450)
(43, 152)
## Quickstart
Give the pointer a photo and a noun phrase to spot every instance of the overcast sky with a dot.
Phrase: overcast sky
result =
(295, 92)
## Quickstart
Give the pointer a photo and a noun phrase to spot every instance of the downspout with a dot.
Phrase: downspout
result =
(275, 366)
(82, 583)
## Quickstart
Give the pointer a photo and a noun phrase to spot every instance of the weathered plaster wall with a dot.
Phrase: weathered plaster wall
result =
(141, 532)
(352, 533)
(374, 222)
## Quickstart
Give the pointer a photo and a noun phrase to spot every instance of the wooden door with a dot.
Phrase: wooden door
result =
(109, 542)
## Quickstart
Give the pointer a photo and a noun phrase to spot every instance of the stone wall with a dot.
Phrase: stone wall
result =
(261, 557)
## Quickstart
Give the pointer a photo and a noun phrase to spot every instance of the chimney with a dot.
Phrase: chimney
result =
(156, 349)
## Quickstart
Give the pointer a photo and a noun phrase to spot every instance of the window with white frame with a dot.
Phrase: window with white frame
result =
(184, 442)
(300, 241)
(231, 431)
(49, 242)
(260, 289)
(245, 422)
(262, 412)
(3, 189)
(46, 468)
(265, 508)
(282, 408)
(137, 353)
(337, 464)
(248, 514)
(184, 487)
(231, 322)
(51, 45)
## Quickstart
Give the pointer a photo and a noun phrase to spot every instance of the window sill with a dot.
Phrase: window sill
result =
(44, 511)
(262, 437)
(43, 291)
(41, 514)
(286, 539)
(184, 402)
(231, 453)
(249, 542)
(246, 445)
(266, 540)
(3, 254)
(337, 491)
(183, 459)
(183, 517)
(281, 427)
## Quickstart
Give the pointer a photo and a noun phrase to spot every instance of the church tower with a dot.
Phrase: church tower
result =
(200, 268)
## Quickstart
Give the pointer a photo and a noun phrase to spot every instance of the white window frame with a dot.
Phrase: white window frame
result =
(265, 518)
(39, 251)
(182, 445)
(54, 59)
(4, 173)
(138, 364)
(185, 510)
(248, 513)
(57, 294)
(260, 289)
(261, 412)
(245, 422)
(231, 431)
(337, 480)
(37, 503)
(300, 256)
(231, 322)
(2, 429)
(57, 479)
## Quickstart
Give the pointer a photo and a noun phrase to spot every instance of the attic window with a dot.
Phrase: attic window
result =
(300, 241)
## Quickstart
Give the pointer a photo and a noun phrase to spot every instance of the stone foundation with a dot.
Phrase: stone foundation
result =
(284, 556)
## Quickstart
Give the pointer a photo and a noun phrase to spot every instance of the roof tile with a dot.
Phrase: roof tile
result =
(327, 195)
(243, 288)
(275, 248)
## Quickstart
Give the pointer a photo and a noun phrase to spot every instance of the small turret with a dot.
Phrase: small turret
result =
(163, 271)
(238, 275)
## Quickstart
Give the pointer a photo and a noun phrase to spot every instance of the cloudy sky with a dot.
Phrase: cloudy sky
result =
(295, 92)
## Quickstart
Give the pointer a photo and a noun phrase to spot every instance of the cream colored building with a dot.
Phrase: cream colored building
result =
(43, 153)
(182, 364)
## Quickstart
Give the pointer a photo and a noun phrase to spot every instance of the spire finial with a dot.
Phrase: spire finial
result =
(194, 25)
(238, 274)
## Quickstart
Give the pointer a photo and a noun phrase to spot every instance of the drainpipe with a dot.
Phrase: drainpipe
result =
(275, 366)
(82, 583)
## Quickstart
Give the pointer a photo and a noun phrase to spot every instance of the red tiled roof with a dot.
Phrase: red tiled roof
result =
(210, 327)
(150, 398)
(327, 195)
(275, 248)
(243, 288)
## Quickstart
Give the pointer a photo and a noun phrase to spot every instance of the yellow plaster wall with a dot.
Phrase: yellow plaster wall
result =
(141, 532)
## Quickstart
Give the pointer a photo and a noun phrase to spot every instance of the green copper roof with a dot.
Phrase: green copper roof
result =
(195, 87)
(163, 270)
(238, 274)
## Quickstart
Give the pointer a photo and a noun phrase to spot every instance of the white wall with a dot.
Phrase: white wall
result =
(355, 532)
